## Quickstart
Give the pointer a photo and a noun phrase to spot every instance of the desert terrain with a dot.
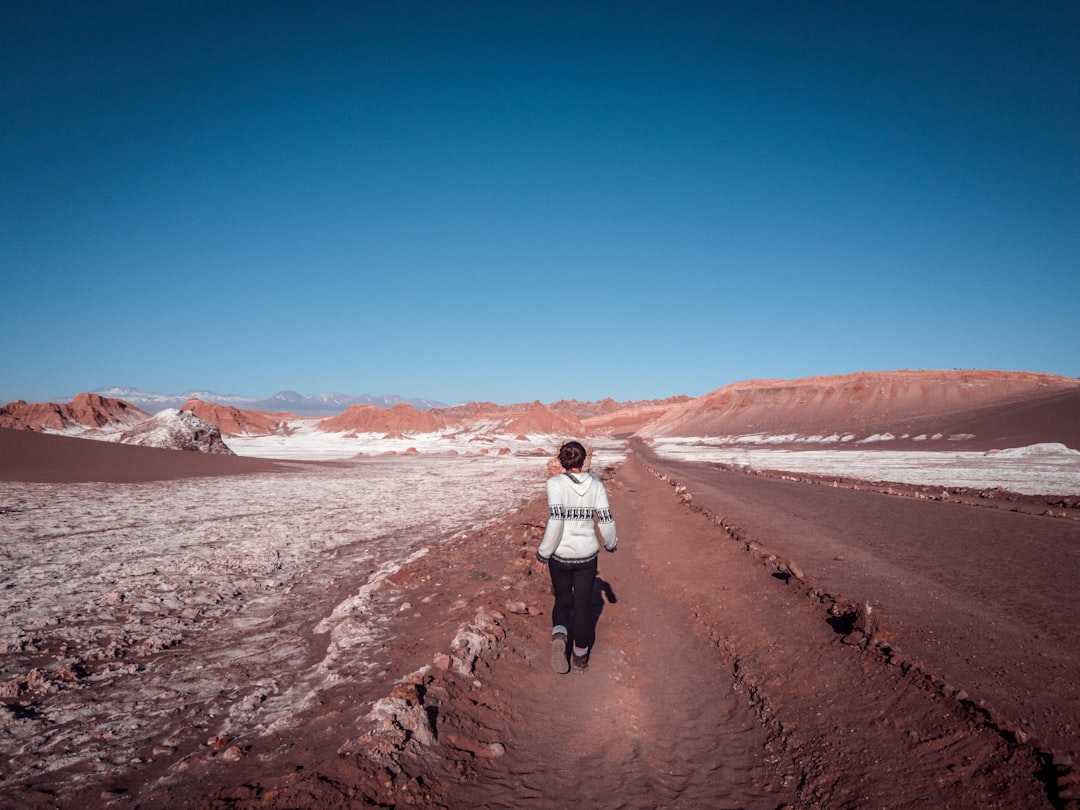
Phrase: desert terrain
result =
(805, 609)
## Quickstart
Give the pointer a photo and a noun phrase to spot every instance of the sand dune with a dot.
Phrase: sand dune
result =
(36, 457)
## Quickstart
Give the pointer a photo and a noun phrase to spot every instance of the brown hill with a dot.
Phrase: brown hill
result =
(997, 408)
(85, 410)
(632, 418)
(520, 418)
(568, 417)
(476, 410)
(609, 407)
(237, 422)
(543, 420)
(372, 419)
(38, 457)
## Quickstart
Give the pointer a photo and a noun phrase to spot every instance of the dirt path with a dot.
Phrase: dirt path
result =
(717, 680)
(860, 731)
(653, 722)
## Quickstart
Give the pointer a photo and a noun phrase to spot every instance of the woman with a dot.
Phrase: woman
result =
(569, 551)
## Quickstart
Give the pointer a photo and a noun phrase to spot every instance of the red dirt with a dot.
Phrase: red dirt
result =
(720, 678)
(44, 458)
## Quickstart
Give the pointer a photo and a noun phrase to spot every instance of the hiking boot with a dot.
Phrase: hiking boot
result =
(559, 662)
(580, 662)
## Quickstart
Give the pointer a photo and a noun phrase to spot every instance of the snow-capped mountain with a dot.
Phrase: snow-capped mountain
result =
(291, 401)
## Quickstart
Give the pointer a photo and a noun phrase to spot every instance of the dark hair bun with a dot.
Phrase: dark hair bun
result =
(572, 455)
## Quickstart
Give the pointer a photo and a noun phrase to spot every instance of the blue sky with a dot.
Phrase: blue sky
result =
(518, 201)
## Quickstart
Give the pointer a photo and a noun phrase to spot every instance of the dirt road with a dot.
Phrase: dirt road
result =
(718, 683)
(721, 676)
(718, 679)
(983, 598)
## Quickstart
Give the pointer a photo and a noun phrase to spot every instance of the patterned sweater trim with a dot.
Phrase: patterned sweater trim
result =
(566, 561)
(559, 512)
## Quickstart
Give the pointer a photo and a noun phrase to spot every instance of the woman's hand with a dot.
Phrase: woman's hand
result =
(539, 567)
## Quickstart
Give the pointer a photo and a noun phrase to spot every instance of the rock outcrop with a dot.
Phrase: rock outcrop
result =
(177, 430)
(372, 419)
(239, 422)
(89, 411)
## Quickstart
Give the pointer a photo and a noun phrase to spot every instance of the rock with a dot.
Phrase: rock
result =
(868, 620)
(855, 639)
(177, 430)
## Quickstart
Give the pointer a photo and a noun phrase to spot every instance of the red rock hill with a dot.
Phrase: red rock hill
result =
(85, 410)
(999, 408)
(372, 419)
(237, 422)
(542, 420)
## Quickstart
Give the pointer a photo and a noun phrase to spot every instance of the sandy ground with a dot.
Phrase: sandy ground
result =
(736, 664)
(718, 680)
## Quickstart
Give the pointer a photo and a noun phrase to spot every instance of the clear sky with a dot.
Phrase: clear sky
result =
(517, 201)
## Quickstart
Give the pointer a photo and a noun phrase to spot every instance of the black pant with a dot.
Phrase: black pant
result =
(573, 585)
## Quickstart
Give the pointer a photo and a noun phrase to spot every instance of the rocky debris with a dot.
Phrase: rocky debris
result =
(177, 430)
(793, 569)
(411, 731)
(407, 718)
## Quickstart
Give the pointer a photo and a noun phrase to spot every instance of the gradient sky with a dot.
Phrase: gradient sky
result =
(518, 201)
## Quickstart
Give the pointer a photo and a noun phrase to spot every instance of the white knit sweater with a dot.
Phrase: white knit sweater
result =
(575, 501)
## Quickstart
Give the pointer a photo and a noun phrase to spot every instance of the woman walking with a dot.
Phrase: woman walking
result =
(577, 507)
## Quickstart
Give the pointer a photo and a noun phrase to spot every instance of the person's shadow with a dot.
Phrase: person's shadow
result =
(601, 592)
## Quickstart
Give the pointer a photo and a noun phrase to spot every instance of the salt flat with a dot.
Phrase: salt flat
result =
(1042, 469)
(127, 607)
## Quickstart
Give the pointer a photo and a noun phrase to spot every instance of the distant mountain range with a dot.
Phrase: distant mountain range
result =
(973, 410)
(290, 401)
